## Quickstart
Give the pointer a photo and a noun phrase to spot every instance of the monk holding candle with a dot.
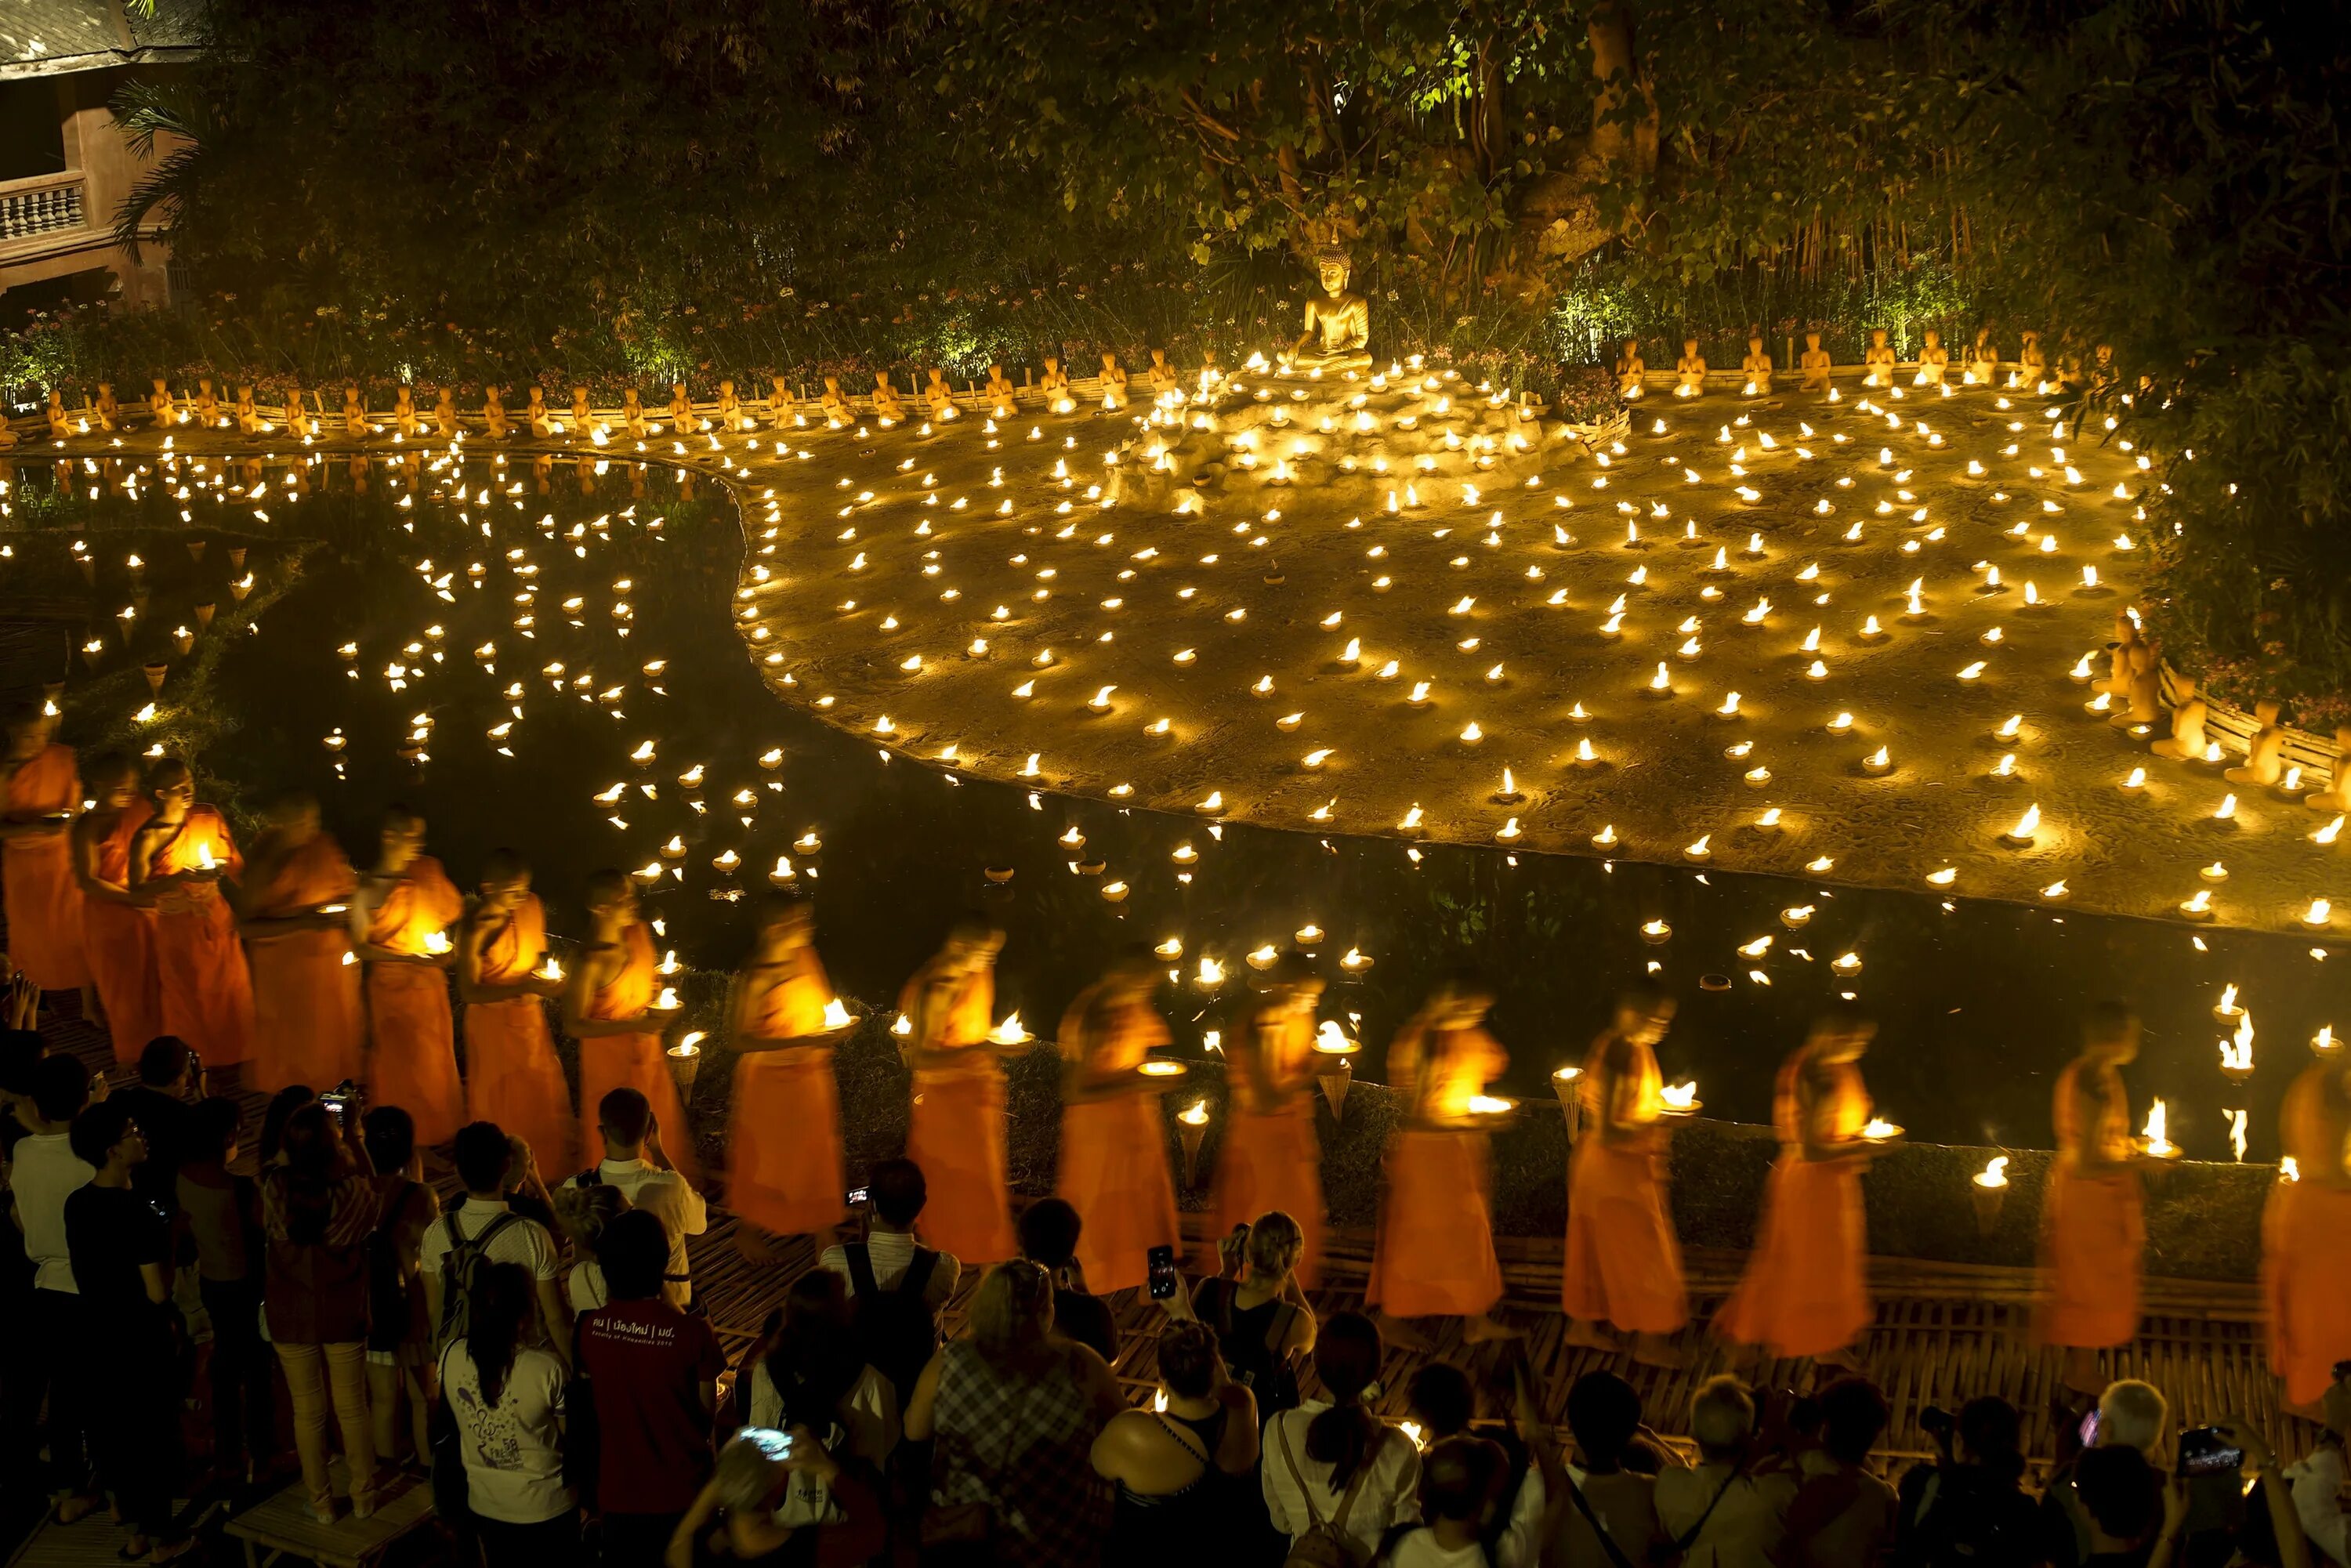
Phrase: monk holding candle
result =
(1624, 1262)
(2305, 1276)
(1272, 1158)
(40, 795)
(1805, 1292)
(608, 1007)
(401, 918)
(783, 1137)
(307, 1023)
(956, 1131)
(1434, 1252)
(182, 852)
(512, 1074)
(117, 924)
(2092, 1227)
(1113, 1168)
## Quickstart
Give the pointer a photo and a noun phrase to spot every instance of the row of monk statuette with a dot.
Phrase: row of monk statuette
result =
(1934, 367)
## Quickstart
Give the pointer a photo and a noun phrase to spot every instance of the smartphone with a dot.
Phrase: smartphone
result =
(2089, 1430)
(858, 1195)
(775, 1444)
(339, 1106)
(1164, 1279)
(2207, 1451)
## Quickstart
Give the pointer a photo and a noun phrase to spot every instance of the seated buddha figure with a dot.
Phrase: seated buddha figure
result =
(535, 414)
(494, 413)
(1877, 360)
(2265, 753)
(1338, 326)
(939, 397)
(1630, 370)
(681, 411)
(60, 422)
(1934, 361)
(248, 418)
(1113, 381)
(297, 420)
(109, 411)
(581, 417)
(1689, 371)
(159, 404)
(730, 407)
(404, 417)
(2336, 795)
(355, 419)
(208, 413)
(1162, 375)
(1984, 359)
(2187, 741)
(783, 408)
(835, 405)
(1814, 362)
(1756, 366)
(1002, 396)
(633, 412)
(2032, 364)
(445, 412)
(887, 409)
(1055, 384)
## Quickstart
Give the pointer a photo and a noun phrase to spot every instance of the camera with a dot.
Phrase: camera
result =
(2207, 1451)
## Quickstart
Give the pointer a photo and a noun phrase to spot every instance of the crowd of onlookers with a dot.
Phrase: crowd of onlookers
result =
(536, 1356)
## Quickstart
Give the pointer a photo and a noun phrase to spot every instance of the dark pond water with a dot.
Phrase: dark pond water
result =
(1977, 1000)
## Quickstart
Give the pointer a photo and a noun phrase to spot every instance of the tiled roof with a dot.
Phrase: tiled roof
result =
(46, 37)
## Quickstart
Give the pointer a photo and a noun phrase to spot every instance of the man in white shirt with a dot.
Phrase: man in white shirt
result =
(2317, 1481)
(45, 1172)
(1731, 1519)
(635, 1162)
(895, 1194)
(484, 1156)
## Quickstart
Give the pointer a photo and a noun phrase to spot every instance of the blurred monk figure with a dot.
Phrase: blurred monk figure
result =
(307, 1023)
(512, 1074)
(2305, 1274)
(784, 1168)
(1435, 1251)
(401, 920)
(1624, 1262)
(1113, 1168)
(40, 795)
(607, 1009)
(1805, 1291)
(956, 1131)
(182, 851)
(2092, 1227)
(117, 924)
(1271, 1157)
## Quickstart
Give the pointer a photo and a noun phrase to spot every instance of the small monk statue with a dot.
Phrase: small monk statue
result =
(582, 416)
(1691, 369)
(404, 417)
(1113, 381)
(298, 419)
(535, 414)
(1162, 375)
(782, 407)
(1055, 384)
(2336, 795)
(1002, 396)
(2031, 365)
(1338, 326)
(886, 406)
(681, 411)
(445, 412)
(1877, 360)
(835, 405)
(494, 413)
(1984, 359)
(248, 418)
(1631, 369)
(939, 397)
(208, 413)
(109, 412)
(1757, 365)
(1814, 362)
(2187, 741)
(2265, 753)
(730, 407)
(61, 423)
(1934, 361)
(159, 403)
(632, 414)
(354, 413)
(2144, 701)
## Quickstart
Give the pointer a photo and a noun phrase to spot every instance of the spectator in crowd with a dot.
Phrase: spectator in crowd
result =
(20, 1057)
(1728, 1513)
(1332, 1463)
(742, 1516)
(120, 1244)
(282, 1104)
(896, 1287)
(582, 1213)
(1967, 1509)
(1050, 1228)
(484, 1228)
(1176, 1467)
(2126, 1502)
(653, 1371)
(1014, 1409)
(1264, 1323)
(1444, 1401)
(2317, 1481)
(2130, 1414)
(49, 1357)
(220, 1223)
(506, 1396)
(896, 1194)
(635, 1162)
(1598, 1495)
(159, 1102)
(319, 1204)
(400, 1333)
(1458, 1480)
(812, 1369)
(1842, 1513)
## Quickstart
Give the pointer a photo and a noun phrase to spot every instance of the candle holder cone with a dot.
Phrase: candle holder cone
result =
(1570, 1104)
(154, 673)
(1191, 1135)
(1987, 1202)
(684, 1067)
(1335, 1084)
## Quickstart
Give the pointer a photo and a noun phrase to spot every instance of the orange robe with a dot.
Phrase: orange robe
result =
(205, 992)
(1113, 1162)
(307, 1026)
(2305, 1276)
(1272, 1158)
(1433, 1253)
(957, 1130)
(633, 1060)
(2092, 1229)
(512, 1075)
(413, 1063)
(36, 874)
(1805, 1291)
(119, 941)
(1624, 1262)
(783, 1137)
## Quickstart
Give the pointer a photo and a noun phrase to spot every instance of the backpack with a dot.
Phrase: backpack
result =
(461, 1269)
(1325, 1544)
(1265, 1371)
(899, 1331)
(390, 1311)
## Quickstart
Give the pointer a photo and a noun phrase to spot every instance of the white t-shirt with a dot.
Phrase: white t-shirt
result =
(1390, 1494)
(668, 1194)
(868, 1413)
(1744, 1530)
(585, 1288)
(514, 1450)
(45, 1172)
(526, 1241)
(1420, 1550)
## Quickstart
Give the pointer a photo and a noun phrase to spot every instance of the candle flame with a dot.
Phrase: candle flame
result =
(2159, 1125)
(1680, 1096)
(1009, 1031)
(1198, 1116)
(1994, 1174)
(836, 1016)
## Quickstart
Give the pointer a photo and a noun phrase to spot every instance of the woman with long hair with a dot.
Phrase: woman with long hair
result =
(1178, 1467)
(810, 1371)
(506, 1397)
(1332, 1462)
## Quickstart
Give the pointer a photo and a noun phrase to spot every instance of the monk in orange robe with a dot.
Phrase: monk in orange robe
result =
(512, 1076)
(118, 922)
(2304, 1273)
(1805, 1291)
(307, 1024)
(1272, 1159)
(783, 1134)
(2092, 1226)
(1113, 1165)
(40, 795)
(957, 1130)
(1624, 1262)
(403, 915)
(1433, 1255)
(183, 851)
(608, 1007)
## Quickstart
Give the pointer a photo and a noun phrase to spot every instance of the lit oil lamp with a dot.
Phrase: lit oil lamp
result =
(1679, 1100)
(2237, 1053)
(2021, 834)
(1846, 964)
(2154, 1139)
(1009, 1032)
(1987, 1190)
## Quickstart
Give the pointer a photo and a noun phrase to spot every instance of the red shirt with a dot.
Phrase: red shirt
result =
(646, 1363)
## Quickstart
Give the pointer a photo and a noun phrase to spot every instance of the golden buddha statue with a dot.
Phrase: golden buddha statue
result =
(535, 414)
(1113, 382)
(2031, 365)
(208, 413)
(1757, 365)
(1691, 370)
(60, 422)
(886, 406)
(681, 411)
(939, 397)
(445, 412)
(835, 403)
(2336, 795)
(2187, 740)
(1631, 369)
(1162, 375)
(582, 418)
(1055, 384)
(730, 407)
(494, 413)
(1814, 363)
(1337, 325)
(1984, 359)
(2265, 753)
(1877, 360)
(159, 403)
(404, 411)
(109, 412)
(354, 413)
(1002, 396)
(297, 421)
(248, 418)
(1934, 361)
(782, 407)
(632, 414)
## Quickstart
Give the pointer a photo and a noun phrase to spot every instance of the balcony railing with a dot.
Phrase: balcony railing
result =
(31, 208)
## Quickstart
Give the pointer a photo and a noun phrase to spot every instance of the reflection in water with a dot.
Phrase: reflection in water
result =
(539, 656)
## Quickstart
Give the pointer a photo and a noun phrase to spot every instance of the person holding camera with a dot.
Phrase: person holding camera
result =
(1967, 1508)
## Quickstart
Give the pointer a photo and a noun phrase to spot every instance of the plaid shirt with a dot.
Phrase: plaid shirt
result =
(1023, 1445)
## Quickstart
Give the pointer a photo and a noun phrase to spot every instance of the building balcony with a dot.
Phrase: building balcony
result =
(42, 213)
